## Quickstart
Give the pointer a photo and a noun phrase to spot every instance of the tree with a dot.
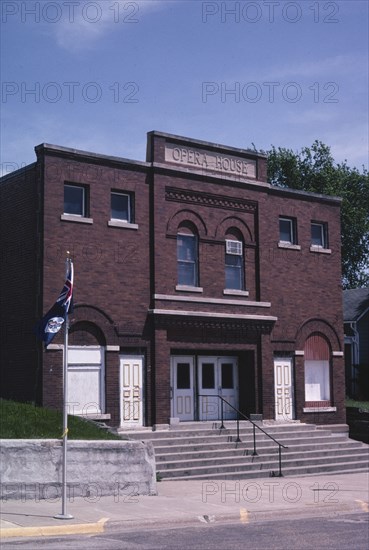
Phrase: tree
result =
(314, 169)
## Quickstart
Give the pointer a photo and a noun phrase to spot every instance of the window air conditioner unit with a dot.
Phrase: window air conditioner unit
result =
(234, 247)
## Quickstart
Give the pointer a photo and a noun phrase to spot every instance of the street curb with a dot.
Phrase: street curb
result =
(243, 515)
(50, 530)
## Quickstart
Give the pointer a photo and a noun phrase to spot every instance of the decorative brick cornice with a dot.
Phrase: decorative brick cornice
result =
(227, 326)
(208, 199)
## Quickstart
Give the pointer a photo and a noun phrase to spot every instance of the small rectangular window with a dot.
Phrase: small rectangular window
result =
(121, 207)
(75, 200)
(319, 234)
(183, 376)
(208, 376)
(287, 230)
(227, 376)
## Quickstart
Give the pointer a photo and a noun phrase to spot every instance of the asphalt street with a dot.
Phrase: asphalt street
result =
(347, 532)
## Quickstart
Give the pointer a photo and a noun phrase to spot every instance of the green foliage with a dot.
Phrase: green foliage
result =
(313, 169)
(24, 421)
(363, 405)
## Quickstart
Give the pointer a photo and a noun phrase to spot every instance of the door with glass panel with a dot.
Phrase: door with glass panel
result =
(217, 376)
(182, 388)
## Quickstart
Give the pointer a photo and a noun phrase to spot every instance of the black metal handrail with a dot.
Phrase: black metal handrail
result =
(238, 439)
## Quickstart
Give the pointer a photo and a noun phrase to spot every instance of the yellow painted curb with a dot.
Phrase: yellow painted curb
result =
(50, 530)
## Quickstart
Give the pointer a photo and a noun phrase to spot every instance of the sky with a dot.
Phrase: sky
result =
(98, 75)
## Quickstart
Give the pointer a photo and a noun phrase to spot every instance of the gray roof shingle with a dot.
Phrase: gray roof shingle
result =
(355, 303)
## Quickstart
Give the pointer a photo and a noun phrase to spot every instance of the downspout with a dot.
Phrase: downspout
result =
(355, 351)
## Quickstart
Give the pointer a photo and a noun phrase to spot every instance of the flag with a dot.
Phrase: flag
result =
(54, 319)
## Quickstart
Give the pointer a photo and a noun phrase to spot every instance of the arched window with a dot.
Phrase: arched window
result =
(234, 262)
(317, 359)
(187, 257)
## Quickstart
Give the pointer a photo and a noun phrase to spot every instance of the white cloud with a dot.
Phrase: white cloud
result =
(339, 64)
(81, 28)
(312, 116)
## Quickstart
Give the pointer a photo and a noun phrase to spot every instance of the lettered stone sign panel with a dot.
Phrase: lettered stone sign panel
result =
(202, 159)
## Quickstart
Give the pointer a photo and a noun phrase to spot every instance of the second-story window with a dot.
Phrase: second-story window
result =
(319, 234)
(121, 207)
(75, 200)
(187, 259)
(287, 230)
(234, 265)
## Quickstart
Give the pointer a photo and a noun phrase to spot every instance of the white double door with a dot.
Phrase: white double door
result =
(216, 377)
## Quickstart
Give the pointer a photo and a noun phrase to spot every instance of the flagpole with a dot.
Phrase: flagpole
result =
(64, 514)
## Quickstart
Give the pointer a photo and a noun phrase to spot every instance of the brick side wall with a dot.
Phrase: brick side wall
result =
(20, 285)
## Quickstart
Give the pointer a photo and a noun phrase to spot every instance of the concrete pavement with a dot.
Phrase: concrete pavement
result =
(191, 502)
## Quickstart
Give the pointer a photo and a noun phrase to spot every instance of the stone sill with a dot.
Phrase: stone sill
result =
(320, 250)
(74, 218)
(289, 246)
(122, 224)
(232, 292)
(185, 288)
(319, 409)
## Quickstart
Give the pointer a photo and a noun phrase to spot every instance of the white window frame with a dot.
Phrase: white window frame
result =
(323, 234)
(293, 232)
(130, 209)
(84, 205)
(317, 380)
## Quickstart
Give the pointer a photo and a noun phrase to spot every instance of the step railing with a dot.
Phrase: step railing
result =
(254, 425)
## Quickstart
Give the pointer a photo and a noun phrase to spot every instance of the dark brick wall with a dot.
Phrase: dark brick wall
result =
(20, 231)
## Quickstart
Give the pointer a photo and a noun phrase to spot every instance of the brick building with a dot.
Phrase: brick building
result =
(194, 278)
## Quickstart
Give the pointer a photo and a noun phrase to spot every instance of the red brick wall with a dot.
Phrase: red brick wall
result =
(111, 264)
(301, 285)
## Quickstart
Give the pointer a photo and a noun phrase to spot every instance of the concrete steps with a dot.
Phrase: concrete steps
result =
(204, 451)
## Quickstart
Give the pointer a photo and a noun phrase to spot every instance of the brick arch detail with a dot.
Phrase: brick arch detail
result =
(85, 316)
(86, 333)
(233, 221)
(318, 326)
(187, 215)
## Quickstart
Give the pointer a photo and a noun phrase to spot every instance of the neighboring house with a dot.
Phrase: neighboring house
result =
(356, 329)
(194, 279)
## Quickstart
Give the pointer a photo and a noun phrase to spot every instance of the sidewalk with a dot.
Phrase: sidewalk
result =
(191, 502)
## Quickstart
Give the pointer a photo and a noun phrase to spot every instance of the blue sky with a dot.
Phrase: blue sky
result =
(98, 75)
